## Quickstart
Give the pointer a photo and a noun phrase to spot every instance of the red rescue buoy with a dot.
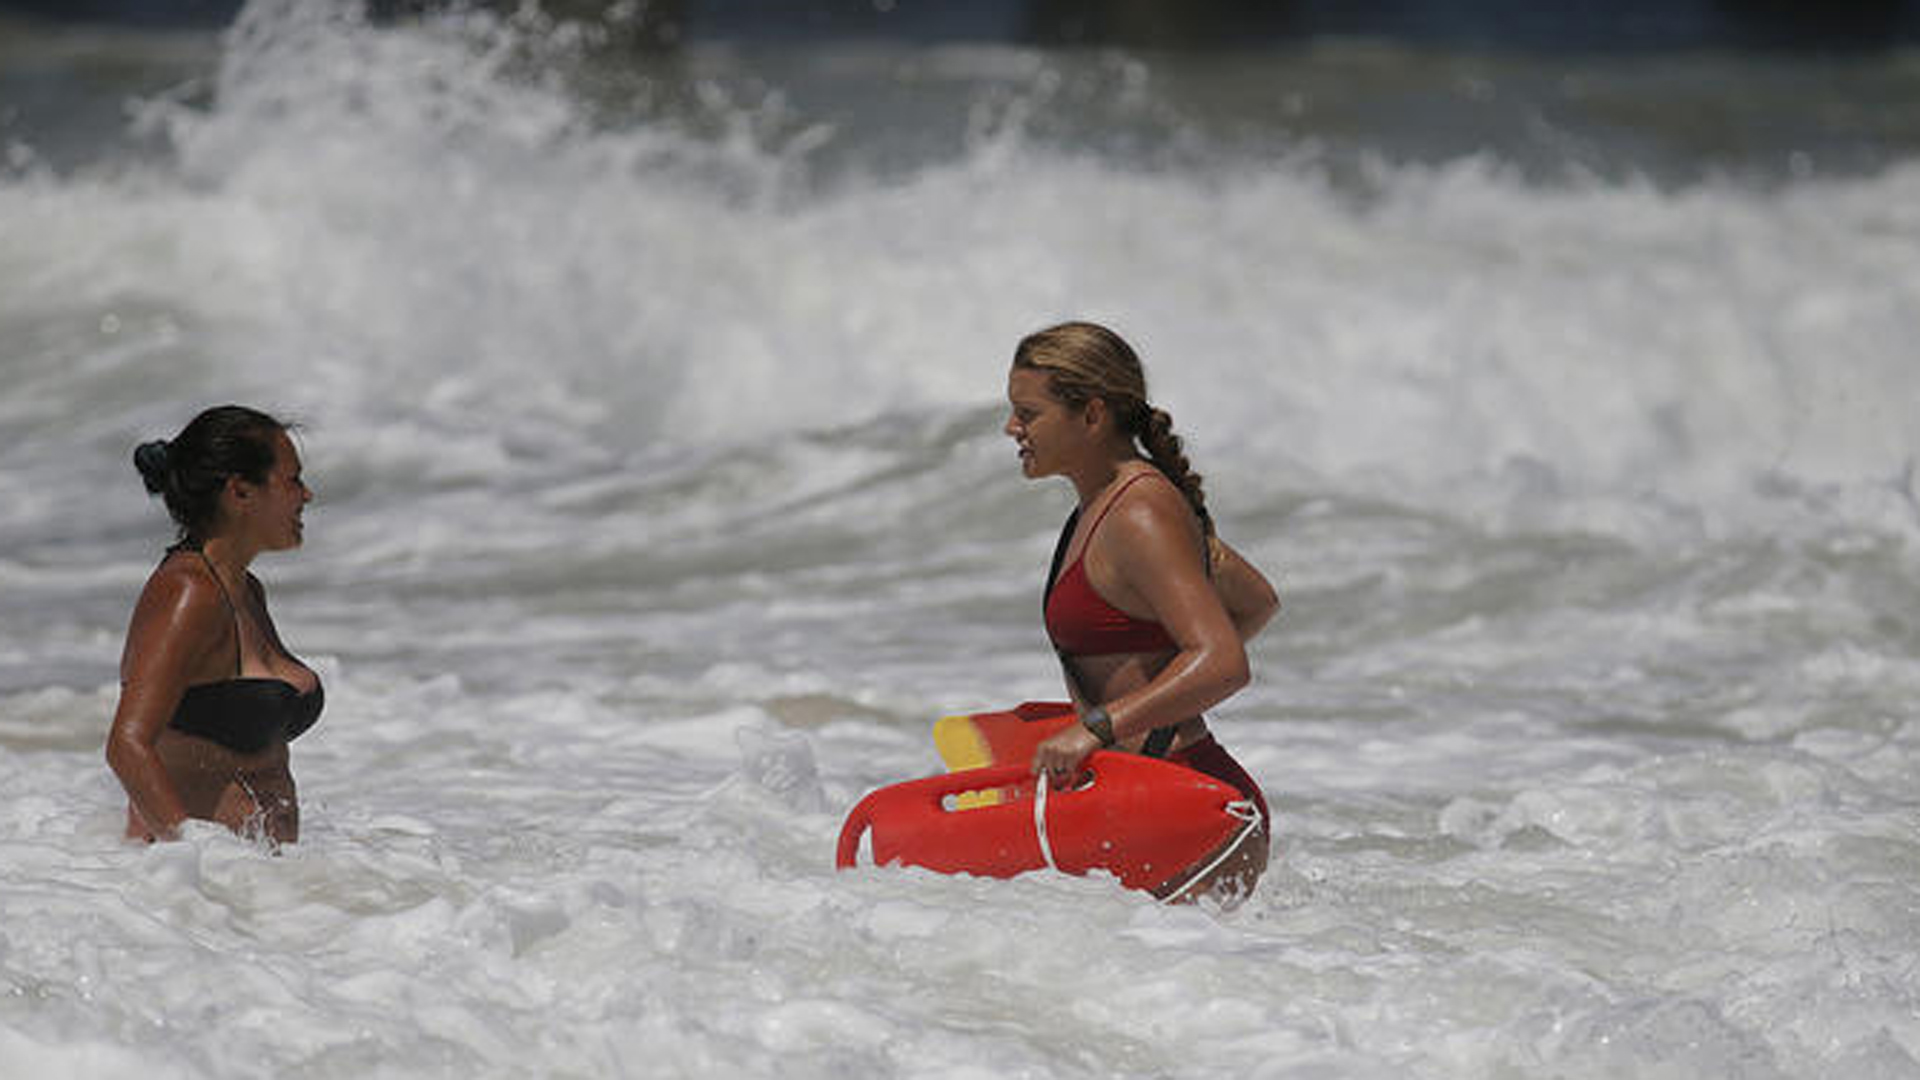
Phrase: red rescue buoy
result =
(1147, 822)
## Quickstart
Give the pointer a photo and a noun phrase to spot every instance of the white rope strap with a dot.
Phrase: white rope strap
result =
(1246, 811)
(1041, 784)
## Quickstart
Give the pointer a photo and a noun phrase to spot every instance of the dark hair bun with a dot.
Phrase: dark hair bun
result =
(151, 459)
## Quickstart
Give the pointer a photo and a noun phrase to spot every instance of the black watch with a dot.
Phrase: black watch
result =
(1097, 721)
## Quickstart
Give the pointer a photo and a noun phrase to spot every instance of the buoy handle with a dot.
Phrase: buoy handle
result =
(847, 854)
(931, 790)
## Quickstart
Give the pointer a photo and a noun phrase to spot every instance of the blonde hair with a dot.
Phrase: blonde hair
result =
(1084, 361)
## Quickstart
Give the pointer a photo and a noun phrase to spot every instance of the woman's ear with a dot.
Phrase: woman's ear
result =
(1096, 411)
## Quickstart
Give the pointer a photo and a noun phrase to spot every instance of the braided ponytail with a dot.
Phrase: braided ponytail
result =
(1167, 453)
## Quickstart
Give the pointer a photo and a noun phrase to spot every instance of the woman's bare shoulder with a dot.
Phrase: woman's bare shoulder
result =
(1155, 510)
(181, 593)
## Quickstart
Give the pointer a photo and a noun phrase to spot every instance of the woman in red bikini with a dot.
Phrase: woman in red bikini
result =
(1152, 611)
(209, 696)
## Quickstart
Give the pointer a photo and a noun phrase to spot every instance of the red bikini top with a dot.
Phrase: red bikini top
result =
(1079, 620)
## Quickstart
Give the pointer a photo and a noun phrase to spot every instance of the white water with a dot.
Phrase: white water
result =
(663, 507)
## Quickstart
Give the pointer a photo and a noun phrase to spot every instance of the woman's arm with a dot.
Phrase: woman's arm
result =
(1246, 593)
(177, 618)
(1153, 545)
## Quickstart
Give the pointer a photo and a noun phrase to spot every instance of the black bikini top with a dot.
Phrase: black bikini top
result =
(246, 714)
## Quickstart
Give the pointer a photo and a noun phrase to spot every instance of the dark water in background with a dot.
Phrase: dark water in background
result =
(1577, 24)
(1673, 91)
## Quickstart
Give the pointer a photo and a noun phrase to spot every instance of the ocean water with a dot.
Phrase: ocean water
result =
(652, 401)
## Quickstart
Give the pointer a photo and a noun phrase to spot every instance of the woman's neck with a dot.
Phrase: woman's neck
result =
(1098, 475)
(230, 558)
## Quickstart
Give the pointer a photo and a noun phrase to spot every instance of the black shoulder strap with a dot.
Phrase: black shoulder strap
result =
(1060, 554)
(231, 610)
(1159, 740)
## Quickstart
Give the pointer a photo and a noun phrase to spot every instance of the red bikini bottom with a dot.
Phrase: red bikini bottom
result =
(1209, 757)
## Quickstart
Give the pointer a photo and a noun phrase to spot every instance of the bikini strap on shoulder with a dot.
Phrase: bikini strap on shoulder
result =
(1112, 501)
(231, 609)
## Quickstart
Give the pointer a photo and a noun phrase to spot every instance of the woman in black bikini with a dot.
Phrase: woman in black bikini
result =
(209, 696)
(1149, 610)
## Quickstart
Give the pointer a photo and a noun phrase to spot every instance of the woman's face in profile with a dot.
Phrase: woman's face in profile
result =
(277, 503)
(1045, 428)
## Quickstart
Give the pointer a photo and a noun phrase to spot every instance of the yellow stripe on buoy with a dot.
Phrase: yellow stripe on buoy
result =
(962, 747)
